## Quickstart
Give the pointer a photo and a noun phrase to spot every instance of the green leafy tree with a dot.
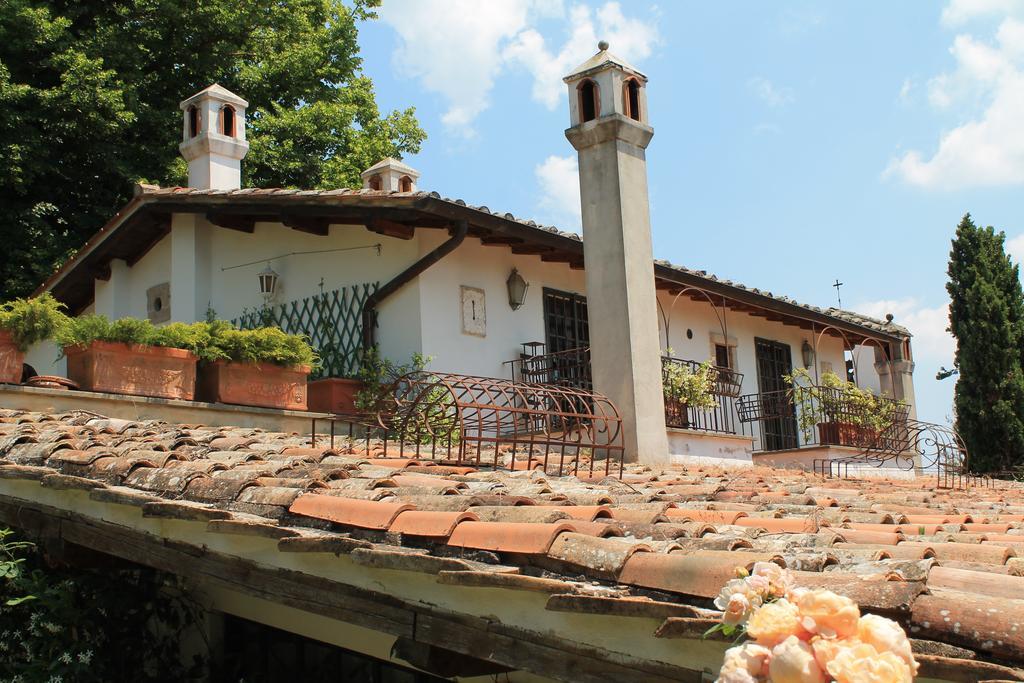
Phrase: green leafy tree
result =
(89, 93)
(986, 316)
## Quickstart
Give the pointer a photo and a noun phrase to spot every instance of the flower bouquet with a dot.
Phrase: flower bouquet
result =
(797, 635)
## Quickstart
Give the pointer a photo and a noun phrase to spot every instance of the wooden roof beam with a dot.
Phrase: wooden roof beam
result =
(241, 223)
(383, 226)
(314, 225)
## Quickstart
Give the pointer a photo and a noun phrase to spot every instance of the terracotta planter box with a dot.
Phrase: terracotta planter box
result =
(116, 368)
(334, 395)
(262, 385)
(845, 434)
(11, 359)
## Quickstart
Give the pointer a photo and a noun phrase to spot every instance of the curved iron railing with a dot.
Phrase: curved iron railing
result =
(462, 419)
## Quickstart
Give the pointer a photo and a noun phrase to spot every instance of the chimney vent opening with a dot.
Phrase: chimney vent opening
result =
(375, 183)
(588, 101)
(193, 122)
(405, 184)
(227, 120)
(632, 99)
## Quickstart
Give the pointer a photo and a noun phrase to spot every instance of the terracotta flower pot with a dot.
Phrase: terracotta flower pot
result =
(263, 385)
(11, 359)
(116, 368)
(845, 434)
(334, 395)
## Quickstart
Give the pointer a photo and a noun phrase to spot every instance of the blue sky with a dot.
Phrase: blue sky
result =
(795, 142)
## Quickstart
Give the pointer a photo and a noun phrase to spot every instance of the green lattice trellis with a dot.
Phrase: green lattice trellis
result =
(331, 320)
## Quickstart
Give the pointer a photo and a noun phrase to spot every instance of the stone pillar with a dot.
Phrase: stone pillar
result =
(897, 377)
(610, 134)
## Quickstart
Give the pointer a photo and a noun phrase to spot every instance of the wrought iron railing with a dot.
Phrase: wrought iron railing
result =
(722, 418)
(570, 368)
(821, 416)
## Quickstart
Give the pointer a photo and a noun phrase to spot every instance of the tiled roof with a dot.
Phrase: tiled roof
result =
(947, 564)
(255, 193)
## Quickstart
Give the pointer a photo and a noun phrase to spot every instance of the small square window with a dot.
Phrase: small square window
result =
(722, 356)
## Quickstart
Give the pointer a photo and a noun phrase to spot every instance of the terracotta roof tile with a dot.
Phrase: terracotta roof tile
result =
(346, 511)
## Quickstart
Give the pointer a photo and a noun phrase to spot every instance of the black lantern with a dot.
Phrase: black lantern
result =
(517, 287)
(268, 283)
(808, 354)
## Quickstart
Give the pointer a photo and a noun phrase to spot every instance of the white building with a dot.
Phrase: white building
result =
(439, 275)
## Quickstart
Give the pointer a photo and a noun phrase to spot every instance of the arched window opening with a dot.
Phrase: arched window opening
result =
(405, 184)
(588, 101)
(227, 120)
(632, 97)
(193, 122)
(375, 182)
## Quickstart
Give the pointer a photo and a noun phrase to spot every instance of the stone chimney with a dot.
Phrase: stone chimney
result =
(213, 138)
(609, 129)
(390, 175)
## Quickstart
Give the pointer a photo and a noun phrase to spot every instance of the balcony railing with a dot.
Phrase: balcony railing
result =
(571, 368)
(722, 418)
(820, 416)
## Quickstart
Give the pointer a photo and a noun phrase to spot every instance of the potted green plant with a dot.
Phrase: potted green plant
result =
(263, 367)
(843, 413)
(687, 387)
(24, 322)
(132, 356)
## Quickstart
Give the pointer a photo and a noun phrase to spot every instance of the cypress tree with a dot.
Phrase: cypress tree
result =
(986, 317)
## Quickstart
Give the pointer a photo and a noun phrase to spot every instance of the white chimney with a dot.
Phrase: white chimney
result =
(213, 138)
(609, 129)
(390, 175)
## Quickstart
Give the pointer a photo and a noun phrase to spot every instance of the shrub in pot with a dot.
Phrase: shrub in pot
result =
(843, 413)
(132, 356)
(24, 322)
(264, 367)
(685, 387)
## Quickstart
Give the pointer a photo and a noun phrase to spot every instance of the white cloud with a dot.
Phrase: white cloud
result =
(459, 48)
(771, 94)
(1015, 248)
(928, 325)
(905, 89)
(961, 11)
(558, 178)
(988, 148)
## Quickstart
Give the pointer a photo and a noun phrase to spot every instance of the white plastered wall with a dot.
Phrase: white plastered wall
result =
(486, 268)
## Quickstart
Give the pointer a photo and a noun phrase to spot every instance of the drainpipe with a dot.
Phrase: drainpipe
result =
(400, 280)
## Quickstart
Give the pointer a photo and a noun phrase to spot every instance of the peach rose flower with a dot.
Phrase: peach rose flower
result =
(826, 614)
(738, 610)
(885, 635)
(864, 664)
(774, 622)
(793, 662)
(778, 578)
(826, 649)
(747, 663)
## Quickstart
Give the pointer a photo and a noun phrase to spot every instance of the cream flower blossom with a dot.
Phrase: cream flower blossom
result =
(886, 636)
(793, 661)
(774, 622)
(826, 614)
(778, 578)
(826, 649)
(747, 663)
(738, 586)
(738, 610)
(864, 664)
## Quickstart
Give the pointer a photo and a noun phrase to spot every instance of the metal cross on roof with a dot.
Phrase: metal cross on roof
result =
(837, 284)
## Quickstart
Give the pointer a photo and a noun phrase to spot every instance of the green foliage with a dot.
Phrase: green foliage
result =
(90, 90)
(839, 400)
(986, 316)
(89, 626)
(694, 388)
(32, 320)
(211, 341)
(260, 345)
(378, 375)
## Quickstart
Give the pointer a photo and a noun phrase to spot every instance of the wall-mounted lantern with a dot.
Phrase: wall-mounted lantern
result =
(808, 354)
(517, 288)
(268, 283)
